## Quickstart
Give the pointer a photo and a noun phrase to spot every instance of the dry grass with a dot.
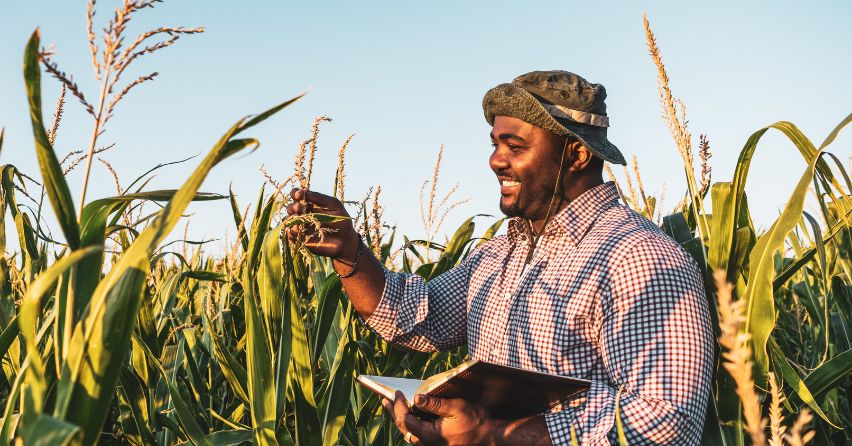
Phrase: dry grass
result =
(300, 164)
(313, 147)
(636, 195)
(737, 361)
(776, 420)
(798, 436)
(704, 156)
(340, 174)
(114, 61)
(737, 356)
(57, 116)
(376, 224)
(674, 116)
(432, 213)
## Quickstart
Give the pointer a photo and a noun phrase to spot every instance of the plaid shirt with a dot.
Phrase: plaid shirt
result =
(607, 297)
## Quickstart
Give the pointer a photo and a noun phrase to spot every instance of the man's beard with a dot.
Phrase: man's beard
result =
(524, 205)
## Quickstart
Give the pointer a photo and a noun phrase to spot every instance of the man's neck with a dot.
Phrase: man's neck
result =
(572, 190)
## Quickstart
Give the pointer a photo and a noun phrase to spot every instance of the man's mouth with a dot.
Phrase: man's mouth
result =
(508, 186)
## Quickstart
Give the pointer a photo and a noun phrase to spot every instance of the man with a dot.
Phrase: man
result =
(580, 286)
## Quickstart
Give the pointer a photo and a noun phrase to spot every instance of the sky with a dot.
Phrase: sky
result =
(407, 77)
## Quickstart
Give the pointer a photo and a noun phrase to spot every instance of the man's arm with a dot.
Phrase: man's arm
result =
(342, 244)
(402, 308)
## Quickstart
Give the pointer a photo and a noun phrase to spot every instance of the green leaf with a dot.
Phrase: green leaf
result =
(101, 340)
(28, 316)
(301, 377)
(760, 314)
(828, 374)
(130, 390)
(328, 297)
(261, 384)
(337, 405)
(234, 372)
(792, 378)
(51, 171)
(184, 414)
(236, 437)
(48, 431)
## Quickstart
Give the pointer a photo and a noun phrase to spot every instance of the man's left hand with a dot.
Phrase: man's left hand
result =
(459, 422)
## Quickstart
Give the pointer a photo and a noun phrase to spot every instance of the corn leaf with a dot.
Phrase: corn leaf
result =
(51, 171)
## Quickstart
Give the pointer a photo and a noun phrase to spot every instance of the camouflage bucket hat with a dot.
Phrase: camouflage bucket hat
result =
(561, 102)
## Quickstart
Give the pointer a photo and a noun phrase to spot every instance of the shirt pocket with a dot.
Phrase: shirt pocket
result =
(576, 348)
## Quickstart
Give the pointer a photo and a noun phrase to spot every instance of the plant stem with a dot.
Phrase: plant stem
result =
(95, 132)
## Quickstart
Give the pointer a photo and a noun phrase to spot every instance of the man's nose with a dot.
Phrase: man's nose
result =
(497, 161)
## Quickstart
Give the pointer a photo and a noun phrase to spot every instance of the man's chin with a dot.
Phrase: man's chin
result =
(510, 207)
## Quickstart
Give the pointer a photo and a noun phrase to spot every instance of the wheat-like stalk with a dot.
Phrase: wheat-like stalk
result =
(313, 147)
(798, 436)
(639, 183)
(670, 111)
(67, 80)
(432, 213)
(776, 426)
(674, 116)
(300, 165)
(376, 224)
(339, 186)
(633, 197)
(51, 137)
(660, 202)
(267, 177)
(737, 357)
(185, 237)
(114, 61)
(114, 174)
(611, 175)
(82, 158)
(704, 156)
(429, 213)
(57, 116)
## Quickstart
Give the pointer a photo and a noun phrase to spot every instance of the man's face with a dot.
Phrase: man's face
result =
(526, 161)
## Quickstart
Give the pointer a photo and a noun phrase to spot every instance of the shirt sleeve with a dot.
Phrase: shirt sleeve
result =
(657, 348)
(425, 316)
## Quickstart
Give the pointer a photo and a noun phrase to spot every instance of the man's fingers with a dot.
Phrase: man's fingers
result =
(399, 409)
(438, 406)
(317, 199)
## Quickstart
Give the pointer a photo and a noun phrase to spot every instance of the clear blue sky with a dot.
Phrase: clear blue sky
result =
(409, 76)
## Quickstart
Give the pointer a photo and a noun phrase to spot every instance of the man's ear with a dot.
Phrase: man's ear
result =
(578, 156)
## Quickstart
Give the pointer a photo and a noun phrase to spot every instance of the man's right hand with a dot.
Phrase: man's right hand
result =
(339, 242)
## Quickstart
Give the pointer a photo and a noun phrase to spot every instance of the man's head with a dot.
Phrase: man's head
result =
(537, 119)
(527, 161)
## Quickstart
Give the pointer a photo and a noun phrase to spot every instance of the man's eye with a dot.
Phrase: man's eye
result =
(514, 147)
(494, 144)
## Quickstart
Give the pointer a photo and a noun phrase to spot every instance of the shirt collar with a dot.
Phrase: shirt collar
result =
(575, 219)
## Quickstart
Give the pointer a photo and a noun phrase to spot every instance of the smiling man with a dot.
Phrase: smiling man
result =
(580, 285)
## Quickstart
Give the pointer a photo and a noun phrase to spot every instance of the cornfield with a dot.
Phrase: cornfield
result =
(109, 336)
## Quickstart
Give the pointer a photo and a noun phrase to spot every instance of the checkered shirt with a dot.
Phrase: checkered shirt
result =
(607, 297)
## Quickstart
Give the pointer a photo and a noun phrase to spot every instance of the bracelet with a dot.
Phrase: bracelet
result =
(354, 264)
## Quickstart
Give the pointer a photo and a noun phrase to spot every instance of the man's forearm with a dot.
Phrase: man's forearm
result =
(528, 431)
(365, 287)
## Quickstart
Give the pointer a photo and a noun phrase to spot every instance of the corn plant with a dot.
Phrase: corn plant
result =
(143, 344)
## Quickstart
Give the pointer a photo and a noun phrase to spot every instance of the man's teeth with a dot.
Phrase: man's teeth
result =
(508, 183)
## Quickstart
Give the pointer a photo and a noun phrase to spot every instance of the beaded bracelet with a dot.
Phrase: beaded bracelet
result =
(354, 264)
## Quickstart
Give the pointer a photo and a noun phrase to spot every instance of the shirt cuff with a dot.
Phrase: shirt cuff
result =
(383, 319)
(559, 426)
(592, 421)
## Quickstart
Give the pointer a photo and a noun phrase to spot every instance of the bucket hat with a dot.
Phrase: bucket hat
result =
(560, 102)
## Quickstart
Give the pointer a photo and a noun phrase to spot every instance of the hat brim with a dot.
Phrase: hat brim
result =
(510, 100)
